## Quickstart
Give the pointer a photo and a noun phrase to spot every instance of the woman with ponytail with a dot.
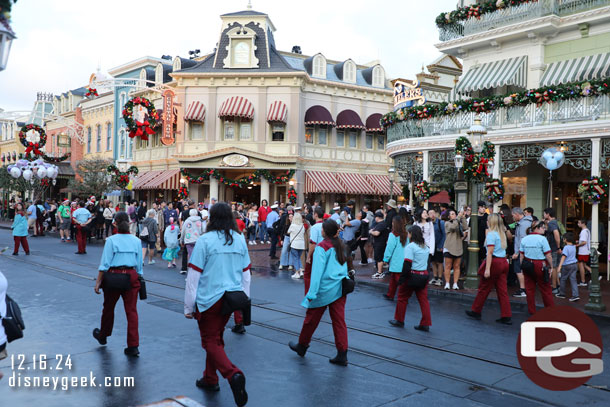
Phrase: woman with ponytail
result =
(329, 268)
(395, 254)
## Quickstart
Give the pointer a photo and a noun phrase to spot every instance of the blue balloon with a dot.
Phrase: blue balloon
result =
(547, 155)
(551, 164)
(559, 156)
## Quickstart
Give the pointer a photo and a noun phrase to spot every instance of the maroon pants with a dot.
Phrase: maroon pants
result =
(307, 276)
(497, 280)
(130, 300)
(337, 316)
(81, 238)
(211, 326)
(404, 293)
(24, 242)
(530, 288)
(238, 317)
(38, 226)
(394, 277)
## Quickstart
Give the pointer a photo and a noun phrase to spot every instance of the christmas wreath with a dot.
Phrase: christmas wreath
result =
(422, 190)
(144, 127)
(475, 165)
(292, 196)
(183, 193)
(494, 190)
(592, 190)
(33, 138)
(91, 92)
(122, 178)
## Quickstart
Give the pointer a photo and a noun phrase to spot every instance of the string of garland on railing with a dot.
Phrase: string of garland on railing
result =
(240, 182)
(547, 94)
(475, 11)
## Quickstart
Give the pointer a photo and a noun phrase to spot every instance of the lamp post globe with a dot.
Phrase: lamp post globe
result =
(476, 133)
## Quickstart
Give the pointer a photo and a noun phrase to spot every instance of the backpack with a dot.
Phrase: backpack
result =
(143, 230)
(13, 321)
(38, 212)
(562, 228)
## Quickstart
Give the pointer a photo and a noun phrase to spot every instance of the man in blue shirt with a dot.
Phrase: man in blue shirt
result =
(170, 212)
(272, 217)
(31, 213)
(82, 218)
(350, 228)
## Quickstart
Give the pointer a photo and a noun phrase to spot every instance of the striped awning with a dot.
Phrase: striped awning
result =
(277, 112)
(168, 179)
(577, 70)
(512, 71)
(323, 182)
(356, 184)
(195, 112)
(144, 178)
(382, 184)
(237, 106)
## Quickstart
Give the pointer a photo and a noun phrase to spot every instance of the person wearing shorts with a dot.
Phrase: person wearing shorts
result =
(584, 251)
(64, 220)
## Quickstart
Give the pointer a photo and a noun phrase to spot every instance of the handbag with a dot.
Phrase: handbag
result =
(13, 321)
(116, 281)
(528, 268)
(237, 301)
(299, 232)
(142, 288)
(348, 283)
(143, 230)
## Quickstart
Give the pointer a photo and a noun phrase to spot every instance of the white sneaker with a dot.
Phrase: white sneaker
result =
(182, 271)
(447, 287)
(455, 286)
(250, 243)
(370, 261)
(290, 267)
(295, 276)
(151, 262)
(438, 282)
(583, 284)
(254, 243)
(280, 267)
(268, 241)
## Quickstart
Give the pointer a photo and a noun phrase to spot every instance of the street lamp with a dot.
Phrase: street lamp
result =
(6, 38)
(392, 173)
(476, 132)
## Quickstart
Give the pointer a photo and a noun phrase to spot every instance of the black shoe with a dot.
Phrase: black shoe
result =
(205, 386)
(15, 254)
(394, 322)
(239, 329)
(473, 314)
(273, 257)
(340, 359)
(132, 351)
(101, 339)
(27, 254)
(238, 386)
(505, 320)
(387, 297)
(298, 348)
(422, 328)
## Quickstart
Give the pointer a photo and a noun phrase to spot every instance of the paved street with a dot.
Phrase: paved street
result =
(459, 363)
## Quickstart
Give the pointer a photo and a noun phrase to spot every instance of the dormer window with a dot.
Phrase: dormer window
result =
(319, 66)
(241, 49)
(159, 74)
(378, 77)
(349, 72)
(142, 77)
(177, 65)
(240, 53)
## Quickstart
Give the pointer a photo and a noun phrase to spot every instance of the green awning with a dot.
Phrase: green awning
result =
(577, 70)
(512, 71)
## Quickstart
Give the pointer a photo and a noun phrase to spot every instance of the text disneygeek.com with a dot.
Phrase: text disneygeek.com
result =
(18, 380)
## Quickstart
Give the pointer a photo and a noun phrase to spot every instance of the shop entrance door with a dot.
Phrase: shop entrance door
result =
(247, 196)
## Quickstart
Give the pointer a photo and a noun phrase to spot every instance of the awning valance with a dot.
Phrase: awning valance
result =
(278, 112)
(512, 71)
(318, 115)
(144, 178)
(322, 182)
(382, 184)
(356, 184)
(373, 123)
(348, 119)
(167, 179)
(577, 70)
(195, 112)
(237, 106)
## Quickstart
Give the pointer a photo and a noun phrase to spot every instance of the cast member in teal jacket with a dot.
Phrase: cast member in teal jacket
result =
(20, 230)
(394, 254)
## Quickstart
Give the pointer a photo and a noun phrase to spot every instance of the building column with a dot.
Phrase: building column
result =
(426, 175)
(214, 188)
(496, 174)
(265, 190)
(299, 186)
(595, 172)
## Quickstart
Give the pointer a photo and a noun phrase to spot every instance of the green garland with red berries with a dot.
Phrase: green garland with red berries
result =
(422, 191)
(292, 196)
(475, 165)
(593, 189)
(494, 190)
(241, 182)
(91, 92)
(183, 193)
(547, 94)
(59, 159)
(136, 128)
(122, 178)
(475, 11)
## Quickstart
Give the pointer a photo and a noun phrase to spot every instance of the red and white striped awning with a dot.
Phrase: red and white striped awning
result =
(168, 179)
(144, 178)
(237, 106)
(356, 184)
(277, 112)
(323, 182)
(195, 112)
(382, 184)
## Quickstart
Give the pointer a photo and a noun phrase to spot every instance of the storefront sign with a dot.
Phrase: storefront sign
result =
(235, 160)
(407, 94)
(167, 137)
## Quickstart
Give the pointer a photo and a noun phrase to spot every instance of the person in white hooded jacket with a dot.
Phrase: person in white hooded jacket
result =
(192, 228)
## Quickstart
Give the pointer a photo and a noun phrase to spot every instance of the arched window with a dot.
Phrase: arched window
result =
(159, 74)
(143, 77)
(98, 138)
(88, 140)
(349, 72)
(319, 66)
(177, 65)
(130, 152)
(108, 137)
(122, 100)
(378, 77)
(122, 146)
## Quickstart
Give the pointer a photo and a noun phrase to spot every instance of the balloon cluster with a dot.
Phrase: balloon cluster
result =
(31, 170)
(552, 158)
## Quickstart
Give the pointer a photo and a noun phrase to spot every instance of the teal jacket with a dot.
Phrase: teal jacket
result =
(326, 277)
(394, 254)
(20, 225)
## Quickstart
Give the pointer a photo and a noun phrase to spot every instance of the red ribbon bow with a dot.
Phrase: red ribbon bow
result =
(142, 130)
(33, 147)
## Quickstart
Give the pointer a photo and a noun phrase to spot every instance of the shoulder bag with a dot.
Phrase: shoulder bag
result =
(298, 233)
(348, 283)
(13, 321)
(237, 301)
(116, 281)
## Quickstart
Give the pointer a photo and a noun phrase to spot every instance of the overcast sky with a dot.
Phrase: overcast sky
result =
(61, 42)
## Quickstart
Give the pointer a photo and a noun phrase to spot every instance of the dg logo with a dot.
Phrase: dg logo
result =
(560, 348)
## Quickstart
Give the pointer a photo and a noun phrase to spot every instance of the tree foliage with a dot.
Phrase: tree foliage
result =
(93, 178)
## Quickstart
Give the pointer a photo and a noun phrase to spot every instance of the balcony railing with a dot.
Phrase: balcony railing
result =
(517, 14)
(592, 108)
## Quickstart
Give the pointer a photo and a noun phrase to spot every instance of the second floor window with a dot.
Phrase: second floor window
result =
(340, 139)
(322, 139)
(353, 139)
(108, 137)
(98, 138)
(277, 131)
(88, 139)
(369, 141)
(196, 131)
(229, 133)
(309, 135)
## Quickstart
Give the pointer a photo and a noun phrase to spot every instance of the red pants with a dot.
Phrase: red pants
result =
(394, 277)
(337, 316)
(545, 288)
(497, 279)
(404, 293)
(211, 326)
(38, 226)
(238, 317)
(130, 300)
(24, 242)
(307, 276)
(81, 238)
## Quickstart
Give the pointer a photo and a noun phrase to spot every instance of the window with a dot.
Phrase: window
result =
(277, 131)
(369, 141)
(340, 139)
(380, 142)
(353, 139)
(122, 148)
(130, 152)
(319, 66)
(309, 135)
(245, 131)
(229, 130)
(156, 140)
(98, 139)
(108, 137)
(322, 136)
(88, 139)
(378, 77)
(241, 53)
(196, 131)
(349, 72)
(159, 74)
(122, 100)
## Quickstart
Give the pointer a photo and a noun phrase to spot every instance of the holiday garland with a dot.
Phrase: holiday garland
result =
(122, 178)
(292, 196)
(475, 11)
(59, 159)
(593, 189)
(475, 165)
(91, 92)
(422, 190)
(494, 190)
(183, 193)
(31, 147)
(538, 96)
(136, 128)
(241, 182)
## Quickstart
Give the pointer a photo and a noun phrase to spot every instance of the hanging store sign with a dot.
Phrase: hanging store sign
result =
(235, 160)
(407, 94)
(167, 137)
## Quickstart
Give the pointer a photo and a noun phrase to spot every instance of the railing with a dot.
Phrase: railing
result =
(592, 108)
(517, 14)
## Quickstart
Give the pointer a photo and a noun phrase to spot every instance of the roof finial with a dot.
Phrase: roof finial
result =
(249, 4)
(422, 67)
